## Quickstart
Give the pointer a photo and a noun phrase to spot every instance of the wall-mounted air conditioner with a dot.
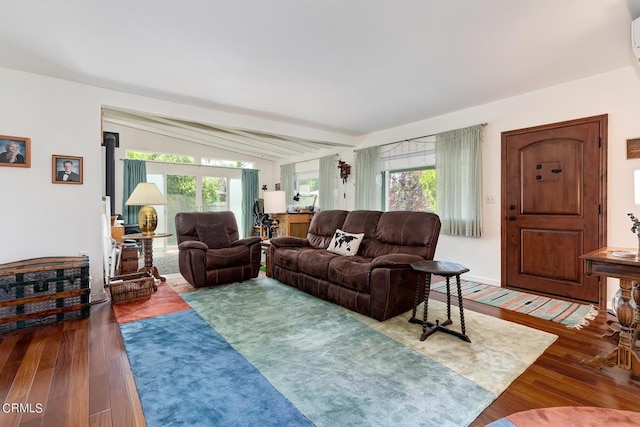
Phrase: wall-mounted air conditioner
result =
(635, 37)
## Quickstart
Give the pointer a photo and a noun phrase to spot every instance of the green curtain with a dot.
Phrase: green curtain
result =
(286, 182)
(459, 181)
(135, 172)
(327, 182)
(368, 191)
(250, 189)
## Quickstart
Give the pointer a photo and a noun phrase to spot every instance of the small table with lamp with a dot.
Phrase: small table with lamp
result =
(147, 194)
(147, 249)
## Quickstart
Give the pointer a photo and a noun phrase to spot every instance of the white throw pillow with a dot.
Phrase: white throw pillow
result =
(344, 243)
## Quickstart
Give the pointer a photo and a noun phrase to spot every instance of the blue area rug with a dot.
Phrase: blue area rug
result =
(263, 353)
(335, 369)
(188, 375)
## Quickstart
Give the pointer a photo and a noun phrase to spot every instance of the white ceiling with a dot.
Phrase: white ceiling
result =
(350, 66)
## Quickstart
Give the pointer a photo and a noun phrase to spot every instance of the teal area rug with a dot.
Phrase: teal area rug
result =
(570, 314)
(188, 375)
(339, 368)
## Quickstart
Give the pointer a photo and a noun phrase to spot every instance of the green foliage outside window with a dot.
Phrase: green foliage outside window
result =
(159, 157)
(413, 190)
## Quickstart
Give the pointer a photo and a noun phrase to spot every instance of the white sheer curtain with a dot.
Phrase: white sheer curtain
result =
(328, 177)
(459, 181)
(368, 191)
(286, 181)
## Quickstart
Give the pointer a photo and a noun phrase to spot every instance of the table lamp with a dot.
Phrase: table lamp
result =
(274, 202)
(145, 195)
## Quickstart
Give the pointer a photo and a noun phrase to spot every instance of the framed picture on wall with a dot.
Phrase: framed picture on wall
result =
(66, 169)
(15, 151)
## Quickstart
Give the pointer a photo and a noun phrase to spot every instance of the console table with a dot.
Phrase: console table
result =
(294, 224)
(602, 262)
(147, 248)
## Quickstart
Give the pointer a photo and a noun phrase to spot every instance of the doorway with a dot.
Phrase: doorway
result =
(192, 191)
(553, 207)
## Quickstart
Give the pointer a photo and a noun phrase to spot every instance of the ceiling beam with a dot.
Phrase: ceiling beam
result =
(193, 139)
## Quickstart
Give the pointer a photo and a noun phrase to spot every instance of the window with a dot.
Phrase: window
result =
(306, 182)
(226, 163)
(159, 157)
(410, 190)
(409, 176)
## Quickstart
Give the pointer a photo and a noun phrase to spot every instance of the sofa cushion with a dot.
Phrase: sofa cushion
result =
(215, 236)
(407, 232)
(315, 262)
(227, 257)
(288, 257)
(351, 272)
(344, 243)
(323, 225)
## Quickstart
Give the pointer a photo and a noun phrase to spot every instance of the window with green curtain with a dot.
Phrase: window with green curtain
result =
(286, 181)
(328, 177)
(367, 174)
(250, 189)
(135, 172)
(459, 181)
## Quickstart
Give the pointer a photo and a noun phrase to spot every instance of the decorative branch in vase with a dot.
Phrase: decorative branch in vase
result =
(635, 229)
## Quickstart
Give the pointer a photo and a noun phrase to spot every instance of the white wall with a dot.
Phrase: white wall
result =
(39, 218)
(615, 93)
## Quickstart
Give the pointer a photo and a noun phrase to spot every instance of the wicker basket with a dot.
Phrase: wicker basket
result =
(131, 287)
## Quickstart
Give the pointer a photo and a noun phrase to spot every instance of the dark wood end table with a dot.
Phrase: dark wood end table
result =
(266, 247)
(446, 270)
(147, 249)
(603, 262)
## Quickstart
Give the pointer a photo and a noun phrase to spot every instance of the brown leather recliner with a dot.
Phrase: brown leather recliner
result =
(224, 258)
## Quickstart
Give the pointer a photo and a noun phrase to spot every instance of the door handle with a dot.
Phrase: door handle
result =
(511, 218)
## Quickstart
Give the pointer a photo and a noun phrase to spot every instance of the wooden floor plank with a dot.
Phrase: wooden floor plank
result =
(87, 358)
(78, 405)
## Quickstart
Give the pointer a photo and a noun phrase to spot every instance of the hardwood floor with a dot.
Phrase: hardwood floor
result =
(79, 373)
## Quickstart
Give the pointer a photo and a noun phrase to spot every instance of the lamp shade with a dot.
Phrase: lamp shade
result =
(636, 186)
(274, 202)
(146, 193)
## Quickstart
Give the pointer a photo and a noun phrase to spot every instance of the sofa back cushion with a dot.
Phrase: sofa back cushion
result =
(362, 222)
(413, 233)
(186, 224)
(323, 226)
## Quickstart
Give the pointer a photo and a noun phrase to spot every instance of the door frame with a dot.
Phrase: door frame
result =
(602, 189)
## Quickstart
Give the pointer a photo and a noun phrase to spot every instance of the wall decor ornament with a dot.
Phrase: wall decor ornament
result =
(345, 170)
(66, 169)
(15, 151)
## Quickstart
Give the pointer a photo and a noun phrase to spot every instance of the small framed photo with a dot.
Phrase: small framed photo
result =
(15, 151)
(66, 169)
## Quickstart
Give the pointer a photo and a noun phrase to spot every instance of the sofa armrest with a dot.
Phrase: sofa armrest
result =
(193, 244)
(248, 241)
(395, 261)
(289, 241)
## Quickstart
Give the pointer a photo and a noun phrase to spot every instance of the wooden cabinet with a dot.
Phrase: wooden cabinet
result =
(294, 224)
(117, 231)
(128, 260)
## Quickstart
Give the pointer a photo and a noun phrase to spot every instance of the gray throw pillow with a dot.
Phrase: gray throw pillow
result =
(215, 236)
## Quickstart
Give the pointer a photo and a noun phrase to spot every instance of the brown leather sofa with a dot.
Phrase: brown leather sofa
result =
(229, 259)
(378, 281)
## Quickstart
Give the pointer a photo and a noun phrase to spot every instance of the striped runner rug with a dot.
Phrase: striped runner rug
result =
(570, 314)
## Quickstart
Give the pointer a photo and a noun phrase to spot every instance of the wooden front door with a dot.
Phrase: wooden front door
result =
(553, 207)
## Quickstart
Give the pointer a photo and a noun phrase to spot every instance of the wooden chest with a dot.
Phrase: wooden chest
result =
(43, 290)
